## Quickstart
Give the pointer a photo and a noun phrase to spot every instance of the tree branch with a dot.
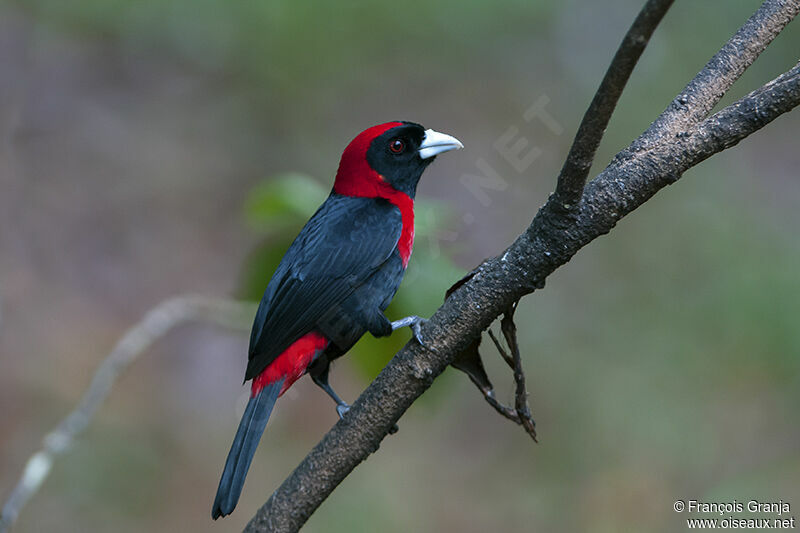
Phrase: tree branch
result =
(154, 325)
(700, 96)
(733, 123)
(632, 178)
(572, 177)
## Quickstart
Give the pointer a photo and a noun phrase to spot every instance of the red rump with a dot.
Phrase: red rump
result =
(356, 178)
(291, 364)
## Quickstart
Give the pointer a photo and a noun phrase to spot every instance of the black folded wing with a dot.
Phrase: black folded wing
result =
(344, 243)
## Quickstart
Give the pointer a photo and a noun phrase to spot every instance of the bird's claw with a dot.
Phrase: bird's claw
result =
(415, 323)
(416, 329)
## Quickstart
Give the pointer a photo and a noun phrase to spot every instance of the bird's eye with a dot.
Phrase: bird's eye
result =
(397, 146)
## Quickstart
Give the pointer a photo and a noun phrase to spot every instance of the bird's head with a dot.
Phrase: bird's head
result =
(389, 157)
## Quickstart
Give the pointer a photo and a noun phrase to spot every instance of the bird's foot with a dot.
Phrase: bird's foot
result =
(415, 323)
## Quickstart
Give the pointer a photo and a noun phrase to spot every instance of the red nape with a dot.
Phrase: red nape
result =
(291, 364)
(356, 178)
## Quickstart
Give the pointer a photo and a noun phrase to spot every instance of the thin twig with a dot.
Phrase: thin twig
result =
(520, 413)
(503, 353)
(521, 395)
(154, 325)
(572, 177)
(508, 412)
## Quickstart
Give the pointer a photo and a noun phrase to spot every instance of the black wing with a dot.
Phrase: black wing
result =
(345, 241)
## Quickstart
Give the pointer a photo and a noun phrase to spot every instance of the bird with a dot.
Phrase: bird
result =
(335, 281)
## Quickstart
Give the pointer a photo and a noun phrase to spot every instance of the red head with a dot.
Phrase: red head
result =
(389, 158)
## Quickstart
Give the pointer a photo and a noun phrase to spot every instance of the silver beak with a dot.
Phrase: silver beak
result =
(436, 143)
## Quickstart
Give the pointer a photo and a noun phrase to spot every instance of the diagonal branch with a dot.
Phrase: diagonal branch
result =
(731, 124)
(699, 97)
(631, 179)
(572, 177)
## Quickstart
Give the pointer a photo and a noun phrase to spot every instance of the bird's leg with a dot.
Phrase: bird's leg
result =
(319, 374)
(415, 323)
(321, 379)
(341, 405)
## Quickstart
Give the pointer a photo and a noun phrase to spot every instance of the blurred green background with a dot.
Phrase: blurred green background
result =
(155, 148)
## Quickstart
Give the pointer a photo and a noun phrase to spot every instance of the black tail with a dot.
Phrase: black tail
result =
(244, 446)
